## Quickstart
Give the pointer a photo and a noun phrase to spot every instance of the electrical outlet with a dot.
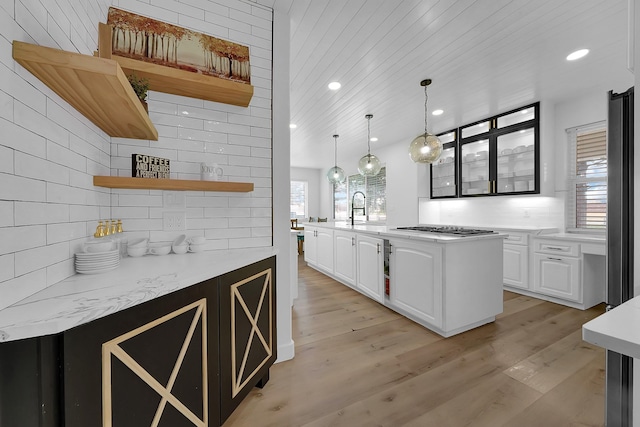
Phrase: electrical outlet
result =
(526, 213)
(174, 221)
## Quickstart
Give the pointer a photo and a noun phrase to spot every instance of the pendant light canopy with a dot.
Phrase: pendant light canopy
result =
(369, 165)
(425, 148)
(335, 174)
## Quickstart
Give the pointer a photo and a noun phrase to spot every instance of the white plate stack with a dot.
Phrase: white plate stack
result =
(97, 262)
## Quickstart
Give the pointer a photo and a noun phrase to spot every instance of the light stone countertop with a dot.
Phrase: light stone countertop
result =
(616, 329)
(85, 297)
(383, 231)
(577, 237)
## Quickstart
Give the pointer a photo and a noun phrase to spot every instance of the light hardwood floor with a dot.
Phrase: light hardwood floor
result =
(360, 364)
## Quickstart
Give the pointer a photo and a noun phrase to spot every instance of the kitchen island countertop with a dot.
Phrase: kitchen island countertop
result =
(80, 298)
(387, 231)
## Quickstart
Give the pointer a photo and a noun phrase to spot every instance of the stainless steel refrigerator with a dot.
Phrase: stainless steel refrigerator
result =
(619, 374)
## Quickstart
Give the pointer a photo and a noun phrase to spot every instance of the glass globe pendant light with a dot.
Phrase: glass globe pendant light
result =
(425, 148)
(335, 174)
(369, 165)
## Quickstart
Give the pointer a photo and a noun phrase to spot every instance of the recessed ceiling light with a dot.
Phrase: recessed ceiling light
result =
(373, 139)
(293, 126)
(577, 54)
(437, 112)
(335, 85)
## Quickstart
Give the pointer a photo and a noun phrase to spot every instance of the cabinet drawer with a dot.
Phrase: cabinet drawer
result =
(556, 247)
(516, 238)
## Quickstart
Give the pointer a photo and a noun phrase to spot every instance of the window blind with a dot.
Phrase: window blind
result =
(588, 176)
(375, 189)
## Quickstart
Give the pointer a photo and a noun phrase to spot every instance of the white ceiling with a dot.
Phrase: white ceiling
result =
(484, 57)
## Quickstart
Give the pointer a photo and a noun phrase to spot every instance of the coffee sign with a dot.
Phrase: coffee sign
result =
(145, 166)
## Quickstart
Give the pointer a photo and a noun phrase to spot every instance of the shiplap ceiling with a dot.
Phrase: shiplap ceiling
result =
(484, 57)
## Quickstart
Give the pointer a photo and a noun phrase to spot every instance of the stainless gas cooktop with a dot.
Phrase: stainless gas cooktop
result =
(458, 231)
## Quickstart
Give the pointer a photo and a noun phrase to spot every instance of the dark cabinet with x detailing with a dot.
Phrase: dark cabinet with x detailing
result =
(184, 359)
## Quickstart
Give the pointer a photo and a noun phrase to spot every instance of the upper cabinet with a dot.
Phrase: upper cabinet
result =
(495, 156)
(444, 171)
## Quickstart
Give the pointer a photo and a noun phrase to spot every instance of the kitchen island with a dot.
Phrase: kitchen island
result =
(447, 283)
(176, 338)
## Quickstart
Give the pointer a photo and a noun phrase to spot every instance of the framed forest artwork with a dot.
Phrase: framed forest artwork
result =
(145, 39)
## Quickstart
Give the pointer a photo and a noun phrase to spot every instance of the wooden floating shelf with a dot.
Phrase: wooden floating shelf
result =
(96, 87)
(171, 184)
(175, 81)
(185, 83)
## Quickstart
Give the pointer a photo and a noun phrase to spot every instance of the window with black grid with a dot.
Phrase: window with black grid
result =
(375, 189)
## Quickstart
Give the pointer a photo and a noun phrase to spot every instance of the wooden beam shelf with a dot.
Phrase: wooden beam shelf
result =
(96, 87)
(171, 184)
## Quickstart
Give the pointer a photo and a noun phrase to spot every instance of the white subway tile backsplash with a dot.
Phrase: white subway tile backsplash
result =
(180, 121)
(14, 187)
(21, 139)
(208, 5)
(227, 212)
(201, 135)
(254, 242)
(206, 27)
(250, 141)
(37, 30)
(84, 213)
(145, 9)
(130, 212)
(14, 239)
(250, 202)
(38, 168)
(249, 222)
(261, 132)
(229, 128)
(261, 232)
(7, 268)
(63, 156)
(14, 290)
(56, 233)
(6, 160)
(138, 200)
(146, 224)
(6, 106)
(228, 233)
(250, 161)
(247, 17)
(60, 271)
(41, 257)
(57, 193)
(6, 213)
(184, 9)
(8, 9)
(32, 213)
(261, 152)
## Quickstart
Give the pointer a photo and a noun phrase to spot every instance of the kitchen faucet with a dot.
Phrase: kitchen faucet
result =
(363, 205)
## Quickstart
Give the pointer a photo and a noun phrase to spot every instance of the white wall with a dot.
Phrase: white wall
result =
(313, 178)
(49, 152)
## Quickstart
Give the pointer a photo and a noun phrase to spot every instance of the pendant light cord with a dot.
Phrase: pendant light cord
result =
(426, 97)
(335, 151)
(368, 117)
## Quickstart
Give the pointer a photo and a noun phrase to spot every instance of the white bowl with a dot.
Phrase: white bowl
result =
(159, 248)
(99, 246)
(197, 248)
(482, 155)
(179, 241)
(506, 151)
(137, 243)
(136, 251)
(180, 249)
(197, 240)
(519, 149)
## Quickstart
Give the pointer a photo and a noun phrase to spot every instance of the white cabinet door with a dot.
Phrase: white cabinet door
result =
(324, 249)
(416, 279)
(516, 266)
(557, 276)
(369, 271)
(310, 251)
(344, 247)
